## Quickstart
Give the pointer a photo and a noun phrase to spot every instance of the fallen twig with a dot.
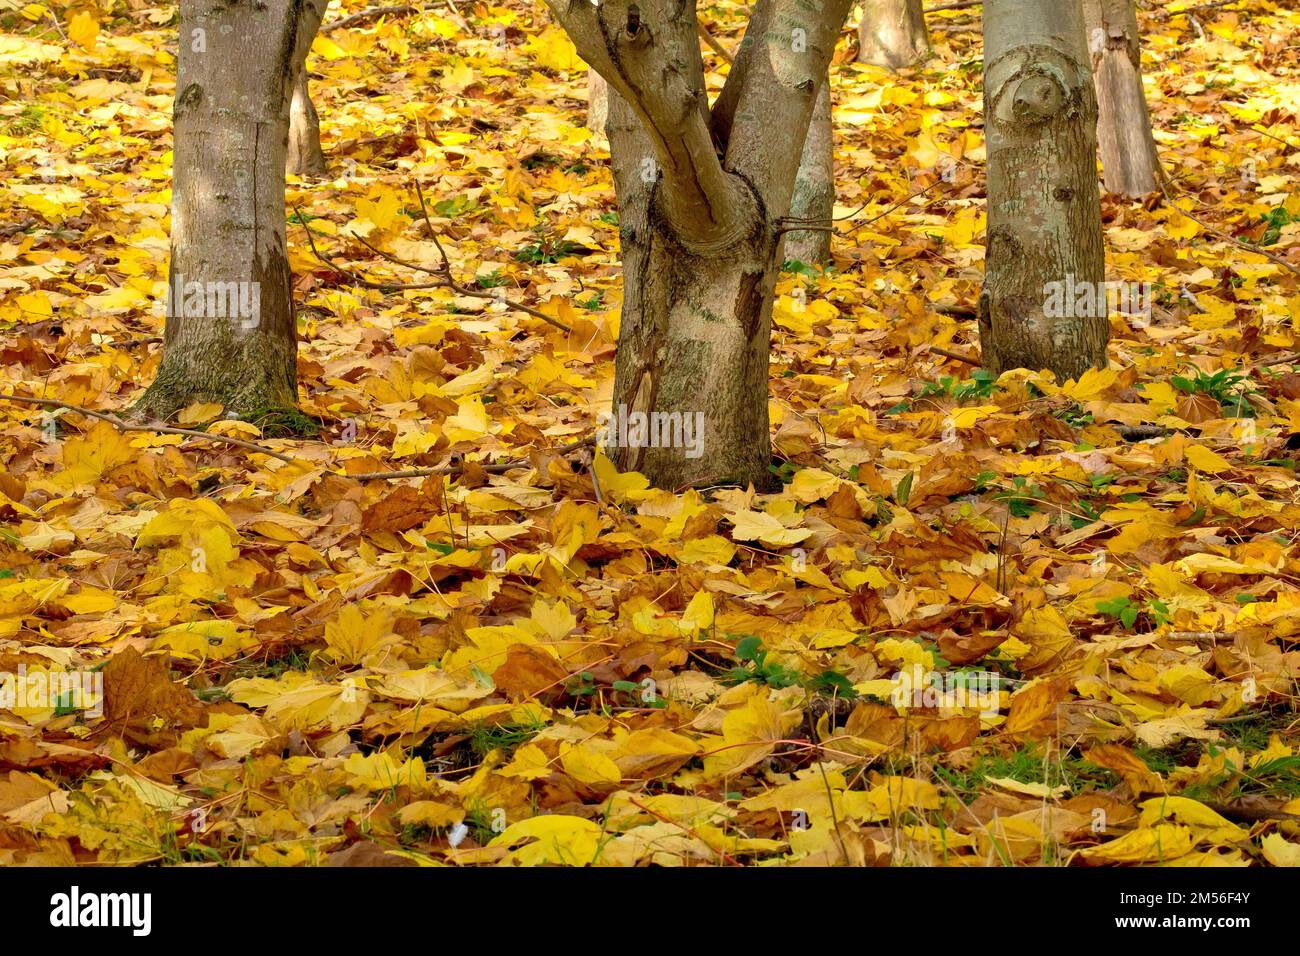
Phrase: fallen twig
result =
(713, 44)
(1220, 233)
(370, 13)
(443, 280)
(957, 356)
(159, 428)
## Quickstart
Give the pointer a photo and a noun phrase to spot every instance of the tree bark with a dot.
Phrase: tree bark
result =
(1044, 205)
(231, 121)
(306, 158)
(703, 196)
(597, 102)
(1128, 149)
(814, 188)
(892, 33)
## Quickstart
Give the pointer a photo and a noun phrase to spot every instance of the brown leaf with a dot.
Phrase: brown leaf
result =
(144, 704)
(968, 648)
(365, 853)
(402, 509)
(528, 671)
(1131, 768)
(1031, 706)
(1199, 408)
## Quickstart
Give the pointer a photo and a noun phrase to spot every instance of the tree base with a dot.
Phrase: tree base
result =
(271, 409)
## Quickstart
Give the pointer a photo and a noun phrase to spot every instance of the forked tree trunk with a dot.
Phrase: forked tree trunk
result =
(1129, 161)
(814, 188)
(892, 33)
(305, 158)
(695, 330)
(231, 120)
(1044, 205)
(703, 197)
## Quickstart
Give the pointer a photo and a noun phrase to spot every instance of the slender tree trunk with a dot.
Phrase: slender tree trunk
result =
(1128, 149)
(597, 101)
(814, 188)
(703, 199)
(892, 33)
(230, 334)
(1044, 205)
(306, 158)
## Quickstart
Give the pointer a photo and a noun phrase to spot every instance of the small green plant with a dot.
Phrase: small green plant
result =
(784, 471)
(484, 738)
(1021, 498)
(546, 250)
(980, 385)
(1027, 765)
(799, 268)
(451, 208)
(1276, 218)
(1127, 613)
(754, 666)
(1120, 608)
(1227, 386)
(597, 301)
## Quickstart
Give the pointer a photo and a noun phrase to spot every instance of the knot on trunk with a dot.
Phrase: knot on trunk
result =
(1039, 97)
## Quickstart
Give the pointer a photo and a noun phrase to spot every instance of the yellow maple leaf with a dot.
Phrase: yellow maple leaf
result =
(761, 526)
(354, 636)
(83, 30)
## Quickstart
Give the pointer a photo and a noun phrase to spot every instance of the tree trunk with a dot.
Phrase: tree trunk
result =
(1128, 149)
(703, 197)
(892, 33)
(230, 334)
(694, 337)
(306, 158)
(814, 188)
(1044, 205)
(597, 101)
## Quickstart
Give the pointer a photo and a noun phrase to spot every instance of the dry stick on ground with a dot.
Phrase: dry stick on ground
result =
(1221, 234)
(161, 429)
(124, 426)
(444, 279)
(967, 4)
(957, 356)
(368, 14)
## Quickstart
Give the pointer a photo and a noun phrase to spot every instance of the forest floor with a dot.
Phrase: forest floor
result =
(1094, 585)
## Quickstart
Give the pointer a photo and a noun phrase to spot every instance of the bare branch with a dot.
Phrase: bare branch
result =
(160, 429)
(443, 280)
